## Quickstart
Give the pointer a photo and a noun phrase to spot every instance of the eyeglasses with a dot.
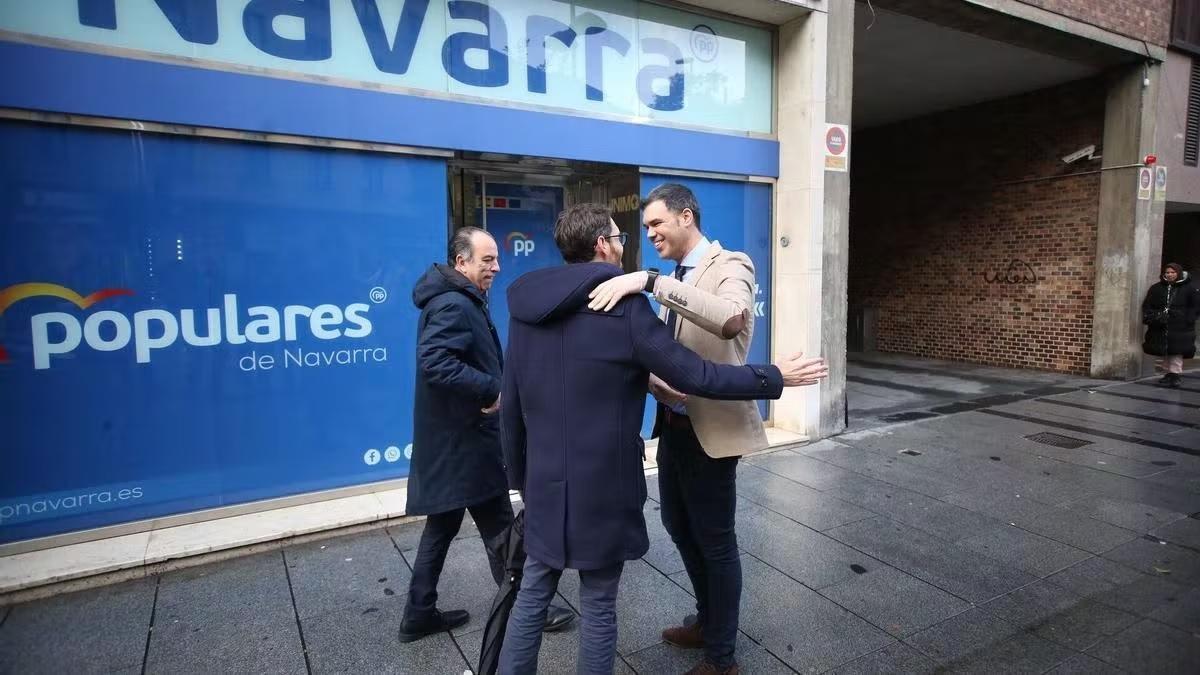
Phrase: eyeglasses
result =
(623, 236)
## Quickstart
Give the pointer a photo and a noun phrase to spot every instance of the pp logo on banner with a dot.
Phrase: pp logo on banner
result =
(521, 244)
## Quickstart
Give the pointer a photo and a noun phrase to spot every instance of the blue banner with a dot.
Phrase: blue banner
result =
(189, 323)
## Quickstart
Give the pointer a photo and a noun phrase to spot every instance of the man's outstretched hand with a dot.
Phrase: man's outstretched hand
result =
(798, 371)
(608, 294)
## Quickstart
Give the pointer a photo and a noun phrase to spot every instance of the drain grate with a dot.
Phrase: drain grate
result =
(1058, 440)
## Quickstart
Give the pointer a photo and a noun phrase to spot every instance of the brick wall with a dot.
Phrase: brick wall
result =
(933, 233)
(1148, 20)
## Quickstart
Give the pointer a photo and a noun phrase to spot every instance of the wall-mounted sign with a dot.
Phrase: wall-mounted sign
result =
(1160, 183)
(620, 57)
(837, 147)
(1145, 183)
(191, 323)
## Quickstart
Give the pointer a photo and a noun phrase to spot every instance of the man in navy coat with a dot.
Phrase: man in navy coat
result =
(574, 389)
(456, 462)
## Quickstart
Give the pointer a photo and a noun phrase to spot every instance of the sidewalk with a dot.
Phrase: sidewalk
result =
(951, 542)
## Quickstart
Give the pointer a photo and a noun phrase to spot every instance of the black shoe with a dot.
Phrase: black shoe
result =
(1175, 381)
(439, 622)
(1165, 380)
(557, 618)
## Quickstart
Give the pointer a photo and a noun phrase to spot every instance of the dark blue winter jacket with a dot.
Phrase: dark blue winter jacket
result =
(574, 391)
(456, 458)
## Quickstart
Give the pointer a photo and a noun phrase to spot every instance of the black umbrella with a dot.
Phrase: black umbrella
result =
(510, 547)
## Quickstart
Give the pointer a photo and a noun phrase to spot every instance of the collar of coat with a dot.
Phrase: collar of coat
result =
(710, 257)
(460, 282)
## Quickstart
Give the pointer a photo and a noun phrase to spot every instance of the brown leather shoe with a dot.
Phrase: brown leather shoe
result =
(706, 667)
(687, 636)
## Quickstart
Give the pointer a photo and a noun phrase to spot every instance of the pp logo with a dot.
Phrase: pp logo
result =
(378, 294)
(704, 43)
(521, 244)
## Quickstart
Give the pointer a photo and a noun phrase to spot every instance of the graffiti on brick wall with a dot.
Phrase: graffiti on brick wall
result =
(1017, 272)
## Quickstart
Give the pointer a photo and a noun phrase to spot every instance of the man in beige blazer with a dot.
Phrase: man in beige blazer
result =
(708, 299)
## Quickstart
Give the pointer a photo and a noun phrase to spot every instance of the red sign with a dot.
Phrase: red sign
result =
(835, 141)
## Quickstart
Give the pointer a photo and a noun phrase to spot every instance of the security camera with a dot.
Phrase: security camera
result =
(1088, 152)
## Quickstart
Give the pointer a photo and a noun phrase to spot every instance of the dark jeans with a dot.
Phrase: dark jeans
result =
(597, 604)
(698, 503)
(491, 517)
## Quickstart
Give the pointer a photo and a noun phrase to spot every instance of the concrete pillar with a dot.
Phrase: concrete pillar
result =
(1129, 230)
(810, 239)
(835, 264)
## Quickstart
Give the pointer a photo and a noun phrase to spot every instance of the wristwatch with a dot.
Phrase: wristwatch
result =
(651, 279)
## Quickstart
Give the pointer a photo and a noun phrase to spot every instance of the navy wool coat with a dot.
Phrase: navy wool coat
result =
(571, 413)
(456, 458)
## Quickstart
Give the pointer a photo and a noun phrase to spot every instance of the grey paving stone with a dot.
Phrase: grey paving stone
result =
(1184, 532)
(1061, 525)
(363, 640)
(664, 557)
(802, 504)
(558, 654)
(964, 573)
(256, 647)
(337, 573)
(1082, 664)
(466, 582)
(894, 658)
(1025, 550)
(804, 554)
(938, 518)
(1151, 647)
(1084, 624)
(802, 469)
(1022, 653)
(1181, 611)
(958, 639)
(1178, 564)
(895, 601)
(1140, 518)
(1142, 595)
(1034, 605)
(247, 591)
(663, 658)
(1095, 576)
(803, 629)
(652, 492)
(647, 603)
(94, 631)
(928, 482)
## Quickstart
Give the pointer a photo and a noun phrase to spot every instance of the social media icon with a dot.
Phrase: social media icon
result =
(392, 454)
(371, 457)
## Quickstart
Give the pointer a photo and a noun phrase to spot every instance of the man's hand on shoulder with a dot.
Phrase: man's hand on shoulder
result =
(608, 294)
(798, 371)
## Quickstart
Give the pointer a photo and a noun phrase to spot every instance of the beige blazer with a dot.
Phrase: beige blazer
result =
(716, 320)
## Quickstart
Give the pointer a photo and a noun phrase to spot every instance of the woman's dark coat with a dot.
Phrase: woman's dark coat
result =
(456, 458)
(1170, 312)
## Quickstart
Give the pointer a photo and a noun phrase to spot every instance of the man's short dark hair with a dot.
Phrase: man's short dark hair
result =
(676, 198)
(578, 228)
(460, 244)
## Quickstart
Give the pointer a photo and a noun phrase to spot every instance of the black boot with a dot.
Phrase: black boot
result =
(438, 622)
(1165, 380)
(557, 618)
(1176, 380)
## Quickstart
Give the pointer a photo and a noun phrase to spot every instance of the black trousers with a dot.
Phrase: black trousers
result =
(491, 517)
(699, 499)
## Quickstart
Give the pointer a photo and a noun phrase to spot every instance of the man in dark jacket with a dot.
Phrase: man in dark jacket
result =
(1170, 311)
(456, 463)
(574, 392)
